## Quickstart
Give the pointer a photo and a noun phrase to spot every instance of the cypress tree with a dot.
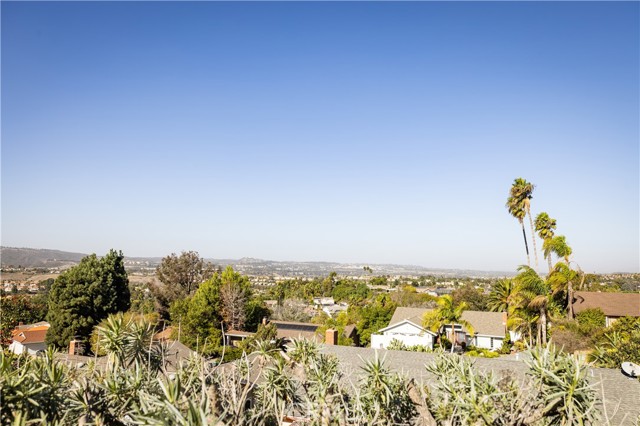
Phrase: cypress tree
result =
(86, 294)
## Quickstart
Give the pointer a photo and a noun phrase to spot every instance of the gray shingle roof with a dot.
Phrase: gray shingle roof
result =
(621, 394)
(484, 323)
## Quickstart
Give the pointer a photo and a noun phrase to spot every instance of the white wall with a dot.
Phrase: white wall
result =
(381, 341)
(485, 342)
(405, 328)
(31, 348)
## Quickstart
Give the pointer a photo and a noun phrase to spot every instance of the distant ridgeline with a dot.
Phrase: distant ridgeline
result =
(44, 258)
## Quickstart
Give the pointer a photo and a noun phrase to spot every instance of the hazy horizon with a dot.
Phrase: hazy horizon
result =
(342, 132)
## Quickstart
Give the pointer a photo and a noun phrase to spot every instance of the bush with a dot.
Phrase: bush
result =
(591, 319)
(396, 345)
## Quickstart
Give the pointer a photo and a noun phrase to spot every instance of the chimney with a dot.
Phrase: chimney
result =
(331, 337)
(76, 347)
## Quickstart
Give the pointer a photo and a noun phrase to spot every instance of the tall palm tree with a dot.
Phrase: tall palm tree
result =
(545, 226)
(516, 209)
(560, 247)
(535, 294)
(521, 192)
(448, 313)
(562, 280)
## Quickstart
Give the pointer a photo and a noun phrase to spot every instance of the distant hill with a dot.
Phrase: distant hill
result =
(38, 258)
(35, 258)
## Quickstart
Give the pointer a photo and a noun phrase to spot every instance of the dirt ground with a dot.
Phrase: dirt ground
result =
(32, 277)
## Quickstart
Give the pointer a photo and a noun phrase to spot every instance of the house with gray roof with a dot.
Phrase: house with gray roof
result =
(406, 326)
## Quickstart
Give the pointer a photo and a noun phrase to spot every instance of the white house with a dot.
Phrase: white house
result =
(407, 332)
(29, 338)
(406, 325)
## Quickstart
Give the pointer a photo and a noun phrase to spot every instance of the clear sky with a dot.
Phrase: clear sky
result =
(350, 132)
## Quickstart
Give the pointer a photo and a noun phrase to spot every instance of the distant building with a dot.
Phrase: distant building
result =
(29, 338)
(323, 301)
(614, 305)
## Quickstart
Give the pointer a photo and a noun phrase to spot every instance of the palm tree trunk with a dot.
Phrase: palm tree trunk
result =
(453, 336)
(550, 265)
(570, 300)
(526, 246)
(535, 250)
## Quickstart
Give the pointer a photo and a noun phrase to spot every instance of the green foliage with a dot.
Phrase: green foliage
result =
(179, 277)
(201, 325)
(262, 389)
(220, 302)
(256, 310)
(591, 320)
(373, 317)
(408, 296)
(464, 396)
(481, 352)
(396, 345)
(126, 319)
(569, 398)
(340, 288)
(142, 300)
(84, 295)
(385, 395)
(506, 345)
(620, 344)
(447, 313)
(474, 298)
(17, 309)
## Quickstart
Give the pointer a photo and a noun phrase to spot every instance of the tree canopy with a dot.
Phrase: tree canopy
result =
(179, 276)
(84, 295)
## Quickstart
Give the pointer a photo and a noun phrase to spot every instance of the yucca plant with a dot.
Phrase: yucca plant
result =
(568, 396)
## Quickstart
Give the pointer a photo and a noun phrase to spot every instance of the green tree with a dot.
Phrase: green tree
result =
(179, 277)
(561, 279)
(199, 319)
(17, 309)
(474, 298)
(535, 293)
(448, 313)
(522, 191)
(235, 292)
(372, 317)
(84, 295)
(202, 317)
(517, 210)
(560, 247)
(502, 296)
(545, 226)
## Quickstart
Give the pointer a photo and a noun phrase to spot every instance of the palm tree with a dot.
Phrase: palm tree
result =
(560, 247)
(517, 210)
(502, 296)
(545, 226)
(448, 313)
(535, 294)
(562, 279)
(521, 192)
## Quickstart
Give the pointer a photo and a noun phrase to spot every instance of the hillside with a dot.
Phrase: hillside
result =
(38, 258)
(34, 258)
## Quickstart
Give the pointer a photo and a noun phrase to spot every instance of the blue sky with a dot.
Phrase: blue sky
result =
(354, 132)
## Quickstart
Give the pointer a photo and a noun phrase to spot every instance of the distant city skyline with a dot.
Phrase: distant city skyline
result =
(358, 132)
